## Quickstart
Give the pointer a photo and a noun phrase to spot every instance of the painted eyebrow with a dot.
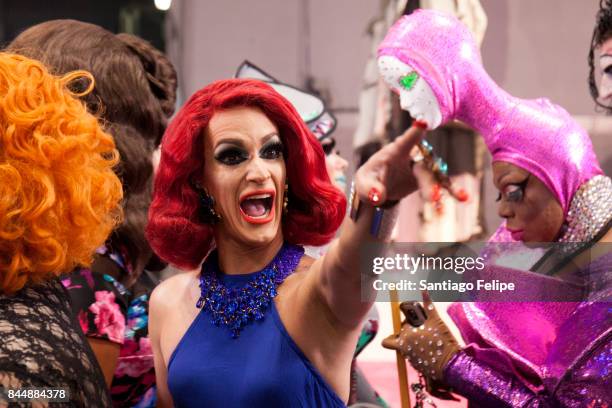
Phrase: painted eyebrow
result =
(498, 181)
(240, 143)
(269, 136)
(507, 175)
(229, 141)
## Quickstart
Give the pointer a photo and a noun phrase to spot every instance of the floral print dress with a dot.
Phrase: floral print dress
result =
(106, 310)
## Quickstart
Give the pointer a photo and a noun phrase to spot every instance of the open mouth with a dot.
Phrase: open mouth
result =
(258, 207)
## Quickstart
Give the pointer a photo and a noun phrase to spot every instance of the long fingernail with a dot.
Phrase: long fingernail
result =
(420, 124)
(374, 196)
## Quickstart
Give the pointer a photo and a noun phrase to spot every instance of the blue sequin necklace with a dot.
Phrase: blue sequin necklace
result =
(235, 308)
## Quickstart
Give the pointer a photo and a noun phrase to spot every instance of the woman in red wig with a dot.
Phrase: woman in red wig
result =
(242, 184)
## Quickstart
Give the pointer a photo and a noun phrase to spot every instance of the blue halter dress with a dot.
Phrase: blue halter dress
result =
(263, 367)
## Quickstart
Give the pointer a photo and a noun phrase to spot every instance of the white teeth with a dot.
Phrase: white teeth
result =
(258, 196)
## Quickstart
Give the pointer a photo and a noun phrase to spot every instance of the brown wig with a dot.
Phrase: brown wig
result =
(134, 96)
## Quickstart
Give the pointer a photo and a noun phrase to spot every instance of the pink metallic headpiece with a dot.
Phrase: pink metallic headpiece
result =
(535, 135)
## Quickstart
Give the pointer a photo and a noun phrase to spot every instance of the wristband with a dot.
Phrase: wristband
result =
(383, 219)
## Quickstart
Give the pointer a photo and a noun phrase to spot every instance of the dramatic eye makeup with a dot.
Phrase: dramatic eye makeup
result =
(513, 192)
(272, 149)
(328, 144)
(233, 152)
(230, 154)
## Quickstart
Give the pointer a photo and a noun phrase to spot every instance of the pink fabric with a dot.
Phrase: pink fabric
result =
(492, 334)
(109, 319)
(136, 359)
(535, 135)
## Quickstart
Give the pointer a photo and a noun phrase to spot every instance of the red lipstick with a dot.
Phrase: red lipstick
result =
(271, 211)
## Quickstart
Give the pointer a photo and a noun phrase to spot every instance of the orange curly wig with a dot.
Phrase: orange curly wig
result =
(59, 196)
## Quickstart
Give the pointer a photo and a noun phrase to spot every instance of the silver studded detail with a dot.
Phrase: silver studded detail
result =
(590, 210)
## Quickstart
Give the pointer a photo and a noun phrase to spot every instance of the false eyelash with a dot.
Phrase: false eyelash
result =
(231, 156)
(521, 188)
(520, 192)
(275, 147)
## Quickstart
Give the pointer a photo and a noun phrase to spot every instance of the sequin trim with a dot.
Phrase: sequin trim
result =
(589, 212)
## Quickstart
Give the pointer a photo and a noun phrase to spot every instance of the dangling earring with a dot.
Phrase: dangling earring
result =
(208, 215)
(286, 199)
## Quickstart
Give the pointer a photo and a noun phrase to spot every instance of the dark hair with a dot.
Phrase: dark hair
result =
(134, 95)
(176, 233)
(601, 33)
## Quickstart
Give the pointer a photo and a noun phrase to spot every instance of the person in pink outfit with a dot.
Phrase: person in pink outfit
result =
(530, 354)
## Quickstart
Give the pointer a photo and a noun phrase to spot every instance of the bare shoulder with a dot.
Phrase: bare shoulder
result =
(174, 291)
(305, 264)
(172, 309)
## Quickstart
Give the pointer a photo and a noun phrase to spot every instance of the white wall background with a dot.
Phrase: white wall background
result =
(539, 48)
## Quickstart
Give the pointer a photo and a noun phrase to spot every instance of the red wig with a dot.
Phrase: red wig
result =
(316, 207)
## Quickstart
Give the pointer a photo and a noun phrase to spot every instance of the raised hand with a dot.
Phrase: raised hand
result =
(387, 176)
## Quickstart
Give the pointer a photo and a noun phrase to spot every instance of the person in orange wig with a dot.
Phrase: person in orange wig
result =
(59, 200)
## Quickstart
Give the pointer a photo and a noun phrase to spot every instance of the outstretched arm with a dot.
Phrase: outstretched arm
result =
(385, 178)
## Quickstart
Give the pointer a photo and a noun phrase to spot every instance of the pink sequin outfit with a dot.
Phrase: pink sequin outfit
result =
(561, 354)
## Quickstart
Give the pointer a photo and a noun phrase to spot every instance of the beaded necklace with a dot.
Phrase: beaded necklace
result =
(235, 308)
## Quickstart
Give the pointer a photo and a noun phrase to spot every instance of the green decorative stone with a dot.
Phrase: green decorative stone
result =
(425, 144)
(442, 166)
(408, 81)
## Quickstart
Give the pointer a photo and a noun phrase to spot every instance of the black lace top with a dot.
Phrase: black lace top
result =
(41, 346)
